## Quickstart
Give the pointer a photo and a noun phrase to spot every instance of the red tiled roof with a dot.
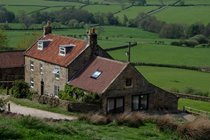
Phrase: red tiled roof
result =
(11, 59)
(110, 70)
(51, 52)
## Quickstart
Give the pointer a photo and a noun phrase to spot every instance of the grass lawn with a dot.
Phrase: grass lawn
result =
(205, 106)
(169, 78)
(29, 128)
(185, 15)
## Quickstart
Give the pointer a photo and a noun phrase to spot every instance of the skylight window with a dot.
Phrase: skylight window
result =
(96, 74)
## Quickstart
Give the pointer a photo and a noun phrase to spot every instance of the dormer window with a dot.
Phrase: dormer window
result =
(41, 44)
(96, 74)
(64, 49)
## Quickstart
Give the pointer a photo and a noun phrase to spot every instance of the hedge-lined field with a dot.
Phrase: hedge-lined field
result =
(134, 11)
(185, 14)
(176, 79)
(103, 8)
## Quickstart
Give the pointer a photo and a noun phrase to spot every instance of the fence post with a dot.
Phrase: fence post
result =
(8, 107)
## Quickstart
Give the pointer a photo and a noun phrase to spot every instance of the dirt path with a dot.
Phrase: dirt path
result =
(14, 108)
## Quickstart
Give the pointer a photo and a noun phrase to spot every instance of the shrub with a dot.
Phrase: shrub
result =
(33, 123)
(190, 43)
(166, 123)
(9, 132)
(129, 119)
(196, 92)
(196, 130)
(20, 89)
(2, 104)
(91, 98)
(95, 118)
(201, 39)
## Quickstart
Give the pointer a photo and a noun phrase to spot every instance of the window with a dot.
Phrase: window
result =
(41, 68)
(64, 49)
(43, 43)
(115, 105)
(128, 82)
(56, 90)
(140, 102)
(32, 65)
(56, 72)
(32, 83)
(96, 74)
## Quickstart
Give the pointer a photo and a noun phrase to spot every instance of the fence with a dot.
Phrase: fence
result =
(196, 111)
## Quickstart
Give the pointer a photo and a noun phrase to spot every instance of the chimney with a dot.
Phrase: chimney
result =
(92, 37)
(47, 28)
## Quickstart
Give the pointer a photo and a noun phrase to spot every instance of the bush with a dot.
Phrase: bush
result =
(201, 39)
(129, 119)
(196, 130)
(20, 89)
(166, 123)
(9, 132)
(95, 118)
(2, 105)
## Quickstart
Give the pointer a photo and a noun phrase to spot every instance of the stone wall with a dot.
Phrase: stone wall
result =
(48, 77)
(70, 106)
(159, 99)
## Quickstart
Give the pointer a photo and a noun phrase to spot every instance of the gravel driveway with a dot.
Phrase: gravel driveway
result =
(14, 108)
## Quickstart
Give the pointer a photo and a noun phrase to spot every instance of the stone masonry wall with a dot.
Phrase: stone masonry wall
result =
(158, 99)
(47, 76)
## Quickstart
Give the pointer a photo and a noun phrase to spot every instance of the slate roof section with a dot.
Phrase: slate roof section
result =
(110, 70)
(50, 53)
(12, 59)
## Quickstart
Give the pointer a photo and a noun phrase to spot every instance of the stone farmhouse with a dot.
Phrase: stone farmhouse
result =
(54, 61)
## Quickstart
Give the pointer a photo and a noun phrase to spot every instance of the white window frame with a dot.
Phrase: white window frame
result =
(41, 68)
(32, 82)
(31, 65)
(62, 51)
(40, 45)
(56, 72)
(56, 90)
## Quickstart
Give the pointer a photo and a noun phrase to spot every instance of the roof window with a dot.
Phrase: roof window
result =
(96, 74)
(64, 49)
(41, 44)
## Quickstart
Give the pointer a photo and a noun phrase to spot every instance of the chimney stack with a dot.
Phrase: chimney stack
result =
(92, 37)
(47, 28)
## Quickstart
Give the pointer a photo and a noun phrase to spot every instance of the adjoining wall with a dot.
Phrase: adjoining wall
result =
(8, 75)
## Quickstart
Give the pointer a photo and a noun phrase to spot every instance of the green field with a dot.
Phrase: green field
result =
(185, 15)
(194, 104)
(33, 129)
(103, 8)
(159, 2)
(168, 78)
(134, 11)
(197, 2)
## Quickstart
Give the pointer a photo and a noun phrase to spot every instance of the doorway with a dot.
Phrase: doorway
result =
(42, 87)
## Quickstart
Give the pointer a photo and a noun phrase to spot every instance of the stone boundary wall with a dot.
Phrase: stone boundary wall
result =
(70, 106)
(121, 47)
(193, 97)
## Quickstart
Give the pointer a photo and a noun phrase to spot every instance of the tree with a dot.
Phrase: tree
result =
(6, 16)
(3, 40)
(172, 31)
(195, 29)
(207, 30)
(25, 19)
